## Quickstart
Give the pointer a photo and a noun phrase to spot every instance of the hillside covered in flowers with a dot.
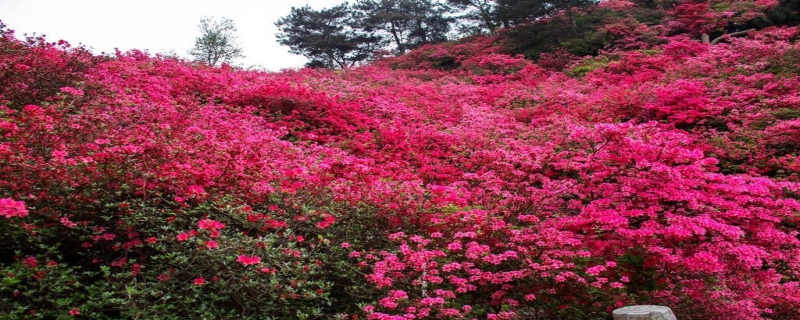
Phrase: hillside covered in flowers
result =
(454, 182)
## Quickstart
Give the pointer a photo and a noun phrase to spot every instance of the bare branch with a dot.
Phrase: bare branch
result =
(728, 35)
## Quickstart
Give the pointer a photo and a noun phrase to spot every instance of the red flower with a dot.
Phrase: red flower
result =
(135, 269)
(74, 312)
(208, 224)
(212, 244)
(326, 222)
(199, 281)
(67, 223)
(275, 224)
(245, 260)
(268, 270)
(183, 237)
(30, 262)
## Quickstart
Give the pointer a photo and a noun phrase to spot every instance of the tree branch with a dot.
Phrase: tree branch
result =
(728, 35)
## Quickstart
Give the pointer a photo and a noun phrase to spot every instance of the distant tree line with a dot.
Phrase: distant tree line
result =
(493, 14)
(348, 34)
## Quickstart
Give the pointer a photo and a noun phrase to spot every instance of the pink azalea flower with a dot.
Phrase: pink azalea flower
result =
(209, 224)
(10, 208)
(245, 260)
(183, 236)
(72, 91)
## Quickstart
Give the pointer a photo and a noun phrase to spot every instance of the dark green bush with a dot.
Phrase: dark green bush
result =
(145, 271)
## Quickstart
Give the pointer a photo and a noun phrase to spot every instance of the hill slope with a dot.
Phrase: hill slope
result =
(140, 187)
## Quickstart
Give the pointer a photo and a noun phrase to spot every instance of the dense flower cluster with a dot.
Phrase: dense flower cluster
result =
(10, 208)
(455, 182)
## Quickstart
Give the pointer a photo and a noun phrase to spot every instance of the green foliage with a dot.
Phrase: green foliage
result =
(344, 35)
(587, 36)
(786, 13)
(786, 113)
(326, 37)
(406, 24)
(588, 65)
(304, 273)
(535, 39)
(478, 11)
(787, 65)
(38, 288)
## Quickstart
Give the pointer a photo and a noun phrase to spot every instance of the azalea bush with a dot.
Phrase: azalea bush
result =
(181, 261)
(455, 182)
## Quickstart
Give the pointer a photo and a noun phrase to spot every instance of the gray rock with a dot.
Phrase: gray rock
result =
(646, 312)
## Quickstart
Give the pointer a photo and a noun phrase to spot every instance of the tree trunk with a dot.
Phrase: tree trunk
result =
(422, 32)
(573, 23)
(487, 18)
(330, 59)
(397, 39)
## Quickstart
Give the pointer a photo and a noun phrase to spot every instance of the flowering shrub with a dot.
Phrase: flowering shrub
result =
(455, 182)
(10, 208)
(35, 70)
(175, 263)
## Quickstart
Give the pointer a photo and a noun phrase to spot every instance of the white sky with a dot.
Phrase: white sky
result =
(158, 25)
